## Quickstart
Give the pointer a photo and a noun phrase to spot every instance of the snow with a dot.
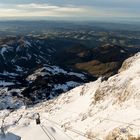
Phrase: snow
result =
(52, 70)
(4, 84)
(50, 50)
(29, 56)
(2, 51)
(57, 70)
(35, 132)
(8, 74)
(27, 43)
(98, 110)
(77, 74)
(122, 51)
(19, 69)
(18, 48)
(65, 86)
(10, 136)
(7, 101)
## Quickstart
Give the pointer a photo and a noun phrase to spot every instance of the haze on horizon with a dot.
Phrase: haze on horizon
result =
(68, 9)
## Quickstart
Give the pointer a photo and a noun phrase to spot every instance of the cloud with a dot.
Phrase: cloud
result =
(34, 9)
(36, 6)
(49, 10)
(7, 12)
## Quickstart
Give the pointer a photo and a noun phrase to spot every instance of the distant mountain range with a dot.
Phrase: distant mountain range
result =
(44, 68)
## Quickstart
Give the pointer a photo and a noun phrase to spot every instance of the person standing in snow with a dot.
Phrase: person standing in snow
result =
(38, 119)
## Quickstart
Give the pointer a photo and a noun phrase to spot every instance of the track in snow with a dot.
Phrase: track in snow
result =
(41, 132)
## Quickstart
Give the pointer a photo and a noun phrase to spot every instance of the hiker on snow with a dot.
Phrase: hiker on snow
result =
(37, 117)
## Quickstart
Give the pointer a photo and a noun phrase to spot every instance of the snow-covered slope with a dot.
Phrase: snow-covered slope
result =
(44, 83)
(103, 110)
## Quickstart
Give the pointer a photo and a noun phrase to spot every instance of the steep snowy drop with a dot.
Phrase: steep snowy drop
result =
(102, 110)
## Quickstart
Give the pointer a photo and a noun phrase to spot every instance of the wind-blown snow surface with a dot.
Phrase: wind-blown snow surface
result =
(105, 110)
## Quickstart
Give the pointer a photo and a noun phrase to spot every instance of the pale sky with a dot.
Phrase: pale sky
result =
(70, 8)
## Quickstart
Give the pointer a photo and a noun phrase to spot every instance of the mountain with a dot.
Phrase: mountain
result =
(99, 61)
(43, 83)
(39, 68)
(24, 57)
(20, 54)
(48, 82)
(103, 109)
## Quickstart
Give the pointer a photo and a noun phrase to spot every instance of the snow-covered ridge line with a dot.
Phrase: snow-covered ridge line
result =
(124, 85)
(53, 70)
(102, 110)
(129, 62)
